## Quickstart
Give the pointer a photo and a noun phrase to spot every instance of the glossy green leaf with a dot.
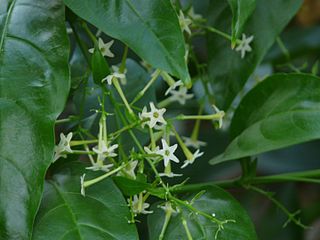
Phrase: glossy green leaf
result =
(228, 72)
(65, 214)
(34, 84)
(214, 200)
(150, 28)
(100, 68)
(130, 187)
(281, 111)
(241, 11)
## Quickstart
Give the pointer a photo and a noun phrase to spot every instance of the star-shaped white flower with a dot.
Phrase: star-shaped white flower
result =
(105, 151)
(122, 78)
(63, 146)
(189, 142)
(128, 170)
(104, 48)
(184, 22)
(168, 208)
(193, 15)
(167, 152)
(196, 154)
(82, 190)
(115, 74)
(155, 115)
(222, 113)
(98, 166)
(173, 87)
(149, 151)
(137, 207)
(181, 95)
(244, 45)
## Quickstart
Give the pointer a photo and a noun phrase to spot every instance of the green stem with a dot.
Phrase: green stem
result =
(65, 120)
(214, 30)
(83, 142)
(81, 44)
(124, 59)
(291, 216)
(81, 152)
(195, 131)
(215, 116)
(98, 179)
(185, 226)
(90, 34)
(305, 176)
(164, 103)
(154, 77)
(123, 97)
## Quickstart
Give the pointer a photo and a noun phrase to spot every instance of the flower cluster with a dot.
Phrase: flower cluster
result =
(150, 160)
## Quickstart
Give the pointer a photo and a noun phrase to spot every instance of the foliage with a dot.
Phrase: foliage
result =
(130, 79)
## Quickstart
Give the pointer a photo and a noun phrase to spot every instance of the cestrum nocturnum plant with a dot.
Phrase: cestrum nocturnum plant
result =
(141, 114)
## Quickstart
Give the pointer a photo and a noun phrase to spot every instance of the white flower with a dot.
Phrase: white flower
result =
(244, 45)
(181, 95)
(196, 154)
(115, 74)
(184, 23)
(138, 206)
(104, 48)
(193, 15)
(168, 208)
(128, 170)
(100, 166)
(155, 115)
(218, 111)
(149, 151)
(170, 175)
(122, 75)
(105, 151)
(173, 87)
(63, 146)
(189, 142)
(82, 190)
(167, 152)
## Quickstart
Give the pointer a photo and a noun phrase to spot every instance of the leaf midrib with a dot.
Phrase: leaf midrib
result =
(156, 36)
(6, 23)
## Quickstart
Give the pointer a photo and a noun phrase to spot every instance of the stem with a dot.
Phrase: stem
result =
(214, 30)
(81, 152)
(123, 97)
(215, 116)
(83, 142)
(185, 225)
(164, 103)
(98, 179)
(195, 131)
(124, 59)
(59, 121)
(291, 216)
(305, 176)
(92, 37)
(154, 77)
(82, 46)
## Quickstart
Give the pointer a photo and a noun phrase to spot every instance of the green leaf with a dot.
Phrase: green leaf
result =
(214, 200)
(150, 28)
(241, 11)
(281, 111)
(228, 72)
(34, 84)
(100, 67)
(66, 214)
(130, 187)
